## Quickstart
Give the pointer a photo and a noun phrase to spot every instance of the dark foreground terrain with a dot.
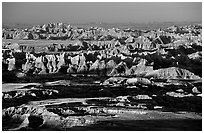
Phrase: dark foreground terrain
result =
(82, 103)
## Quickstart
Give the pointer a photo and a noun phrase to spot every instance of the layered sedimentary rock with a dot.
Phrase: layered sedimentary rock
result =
(161, 53)
(172, 73)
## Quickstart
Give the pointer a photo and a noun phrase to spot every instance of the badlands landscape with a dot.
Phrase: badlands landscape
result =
(61, 77)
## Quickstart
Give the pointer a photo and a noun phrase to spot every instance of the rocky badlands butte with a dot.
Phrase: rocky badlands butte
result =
(61, 77)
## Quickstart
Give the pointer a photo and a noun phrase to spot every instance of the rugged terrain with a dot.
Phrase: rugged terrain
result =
(60, 77)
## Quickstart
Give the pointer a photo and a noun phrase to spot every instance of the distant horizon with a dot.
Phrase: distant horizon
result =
(150, 22)
(131, 25)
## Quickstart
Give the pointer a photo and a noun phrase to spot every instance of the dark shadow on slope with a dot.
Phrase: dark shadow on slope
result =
(144, 125)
